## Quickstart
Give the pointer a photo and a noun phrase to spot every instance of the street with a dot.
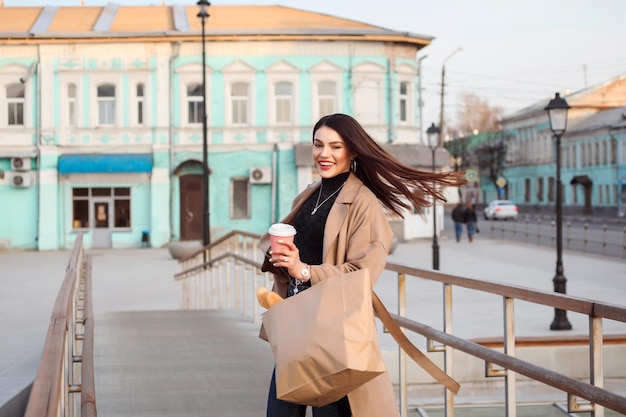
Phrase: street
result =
(595, 237)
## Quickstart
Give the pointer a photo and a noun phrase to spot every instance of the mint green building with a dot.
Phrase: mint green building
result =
(101, 117)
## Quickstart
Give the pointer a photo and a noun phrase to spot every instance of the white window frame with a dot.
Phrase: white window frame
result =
(234, 215)
(197, 103)
(109, 103)
(283, 72)
(192, 74)
(235, 102)
(140, 104)
(325, 72)
(18, 104)
(239, 72)
(71, 105)
(283, 103)
(368, 86)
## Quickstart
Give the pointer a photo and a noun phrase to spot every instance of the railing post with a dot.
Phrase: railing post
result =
(509, 349)
(447, 354)
(402, 370)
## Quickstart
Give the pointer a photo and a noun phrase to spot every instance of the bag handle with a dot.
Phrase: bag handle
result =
(406, 345)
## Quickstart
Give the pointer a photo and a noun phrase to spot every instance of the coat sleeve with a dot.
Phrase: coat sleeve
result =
(364, 241)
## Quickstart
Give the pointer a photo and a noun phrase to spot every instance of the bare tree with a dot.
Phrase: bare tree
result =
(476, 116)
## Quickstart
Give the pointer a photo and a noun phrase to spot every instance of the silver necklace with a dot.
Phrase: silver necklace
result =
(318, 204)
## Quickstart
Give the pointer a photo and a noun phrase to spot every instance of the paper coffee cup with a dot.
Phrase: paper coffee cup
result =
(280, 231)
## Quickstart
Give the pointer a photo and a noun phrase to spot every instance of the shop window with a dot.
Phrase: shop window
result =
(240, 201)
(82, 203)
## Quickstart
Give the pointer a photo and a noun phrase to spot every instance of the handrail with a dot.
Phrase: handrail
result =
(67, 347)
(205, 274)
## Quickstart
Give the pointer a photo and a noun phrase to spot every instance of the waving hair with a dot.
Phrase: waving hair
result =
(396, 185)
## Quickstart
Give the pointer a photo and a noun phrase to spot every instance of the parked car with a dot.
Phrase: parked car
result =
(501, 210)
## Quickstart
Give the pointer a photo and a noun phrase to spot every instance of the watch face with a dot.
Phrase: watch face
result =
(305, 272)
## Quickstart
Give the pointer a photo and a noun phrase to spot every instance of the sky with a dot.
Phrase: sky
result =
(514, 52)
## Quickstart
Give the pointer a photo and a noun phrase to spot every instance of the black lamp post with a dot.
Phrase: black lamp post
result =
(433, 142)
(557, 112)
(206, 229)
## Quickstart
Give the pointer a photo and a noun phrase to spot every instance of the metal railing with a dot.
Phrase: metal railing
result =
(601, 241)
(64, 384)
(228, 277)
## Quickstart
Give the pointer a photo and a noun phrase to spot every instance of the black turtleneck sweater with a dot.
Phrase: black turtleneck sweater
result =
(310, 227)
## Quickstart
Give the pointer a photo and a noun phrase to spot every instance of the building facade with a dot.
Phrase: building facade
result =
(101, 111)
(593, 159)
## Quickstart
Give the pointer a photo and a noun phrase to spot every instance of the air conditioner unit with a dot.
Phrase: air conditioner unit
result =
(20, 164)
(260, 175)
(21, 180)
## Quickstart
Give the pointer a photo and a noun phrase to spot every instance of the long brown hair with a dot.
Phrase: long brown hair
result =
(390, 180)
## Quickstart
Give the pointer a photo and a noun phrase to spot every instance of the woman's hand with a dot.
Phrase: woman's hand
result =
(288, 257)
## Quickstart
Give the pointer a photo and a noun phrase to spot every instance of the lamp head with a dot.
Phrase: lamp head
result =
(433, 136)
(557, 113)
(204, 9)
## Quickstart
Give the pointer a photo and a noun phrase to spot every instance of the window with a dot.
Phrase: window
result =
(240, 201)
(71, 104)
(140, 104)
(540, 189)
(15, 104)
(527, 190)
(604, 158)
(404, 101)
(597, 153)
(574, 194)
(326, 97)
(239, 102)
(82, 201)
(106, 104)
(195, 104)
(283, 95)
(600, 199)
(551, 183)
(121, 204)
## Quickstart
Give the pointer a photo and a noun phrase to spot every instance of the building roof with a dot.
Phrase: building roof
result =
(63, 24)
(607, 119)
(606, 95)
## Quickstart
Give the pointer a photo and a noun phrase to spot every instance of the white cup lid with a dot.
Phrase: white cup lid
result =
(282, 229)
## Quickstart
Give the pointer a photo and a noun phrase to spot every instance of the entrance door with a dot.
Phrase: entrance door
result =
(101, 222)
(191, 207)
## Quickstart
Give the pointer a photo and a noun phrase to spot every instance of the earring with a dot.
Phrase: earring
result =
(353, 165)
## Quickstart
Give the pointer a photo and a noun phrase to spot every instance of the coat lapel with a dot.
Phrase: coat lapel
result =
(339, 212)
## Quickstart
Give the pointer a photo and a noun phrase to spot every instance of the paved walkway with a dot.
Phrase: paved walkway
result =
(140, 281)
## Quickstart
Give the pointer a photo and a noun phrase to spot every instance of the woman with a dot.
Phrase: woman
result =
(342, 228)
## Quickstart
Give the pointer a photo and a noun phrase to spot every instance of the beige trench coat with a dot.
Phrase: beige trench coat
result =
(357, 235)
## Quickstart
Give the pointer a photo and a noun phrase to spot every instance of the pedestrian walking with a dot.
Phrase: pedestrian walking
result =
(458, 217)
(471, 221)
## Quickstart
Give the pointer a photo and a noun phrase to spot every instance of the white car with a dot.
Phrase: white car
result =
(501, 210)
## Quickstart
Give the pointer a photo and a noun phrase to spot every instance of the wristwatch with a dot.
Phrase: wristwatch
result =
(306, 272)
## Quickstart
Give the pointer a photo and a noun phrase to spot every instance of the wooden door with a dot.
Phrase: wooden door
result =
(191, 207)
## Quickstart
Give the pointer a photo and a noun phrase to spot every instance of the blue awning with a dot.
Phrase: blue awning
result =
(105, 163)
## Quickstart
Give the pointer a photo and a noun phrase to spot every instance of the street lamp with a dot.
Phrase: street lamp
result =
(206, 229)
(557, 112)
(443, 83)
(433, 142)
